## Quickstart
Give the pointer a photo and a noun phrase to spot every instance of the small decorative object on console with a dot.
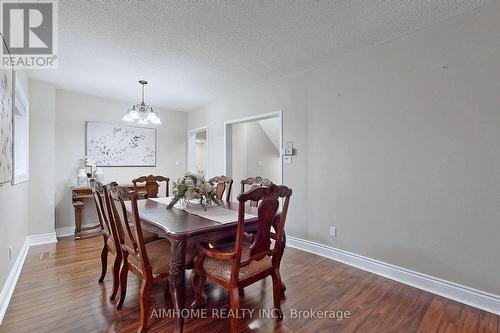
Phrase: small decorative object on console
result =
(81, 178)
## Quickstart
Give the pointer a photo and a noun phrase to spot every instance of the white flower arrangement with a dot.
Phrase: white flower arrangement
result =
(193, 187)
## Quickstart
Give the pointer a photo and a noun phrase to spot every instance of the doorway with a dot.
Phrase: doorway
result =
(197, 150)
(253, 147)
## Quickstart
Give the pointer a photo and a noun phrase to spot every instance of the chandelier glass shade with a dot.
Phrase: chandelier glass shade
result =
(142, 113)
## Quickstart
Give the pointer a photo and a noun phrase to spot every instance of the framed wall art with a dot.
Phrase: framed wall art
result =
(115, 145)
(6, 120)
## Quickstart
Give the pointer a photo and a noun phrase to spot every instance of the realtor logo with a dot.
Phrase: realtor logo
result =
(29, 29)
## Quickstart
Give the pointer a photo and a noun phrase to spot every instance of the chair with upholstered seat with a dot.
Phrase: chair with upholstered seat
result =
(222, 183)
(151, 184)
(150, 262)
(109, 234)
(237, 265)
(253, 182)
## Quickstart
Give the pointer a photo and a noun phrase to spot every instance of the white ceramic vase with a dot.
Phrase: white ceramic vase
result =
(81, 178)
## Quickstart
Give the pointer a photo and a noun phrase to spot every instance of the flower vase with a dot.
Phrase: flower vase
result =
(81, 178)
(183, 203)
(205, 201)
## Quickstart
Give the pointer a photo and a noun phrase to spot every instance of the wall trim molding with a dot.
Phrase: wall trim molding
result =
(463, 294)
(41, 239)
(15, 272)
(10, 283)
(69, 231)
(65, 231)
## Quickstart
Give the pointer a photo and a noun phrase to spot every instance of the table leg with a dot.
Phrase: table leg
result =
(78, 205)
(176, 280)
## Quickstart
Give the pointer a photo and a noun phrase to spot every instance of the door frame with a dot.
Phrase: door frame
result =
(193, 132)
(263, 116)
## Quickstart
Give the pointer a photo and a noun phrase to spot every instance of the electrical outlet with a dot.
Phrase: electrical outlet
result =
(10, 253)
(333, 231)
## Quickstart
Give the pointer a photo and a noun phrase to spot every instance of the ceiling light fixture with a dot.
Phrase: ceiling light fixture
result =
(141, 113)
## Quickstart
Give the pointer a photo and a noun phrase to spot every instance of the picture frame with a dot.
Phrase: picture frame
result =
(7, 76)
(111, 145)
(21, 135)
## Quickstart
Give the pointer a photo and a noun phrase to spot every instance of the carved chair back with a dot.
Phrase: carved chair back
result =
(222, 183)
(131, 239)
(101, 199)
(254, 182)
(268, 198)
(152, 184)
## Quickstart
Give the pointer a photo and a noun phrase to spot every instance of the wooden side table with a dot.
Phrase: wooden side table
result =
(79, 195)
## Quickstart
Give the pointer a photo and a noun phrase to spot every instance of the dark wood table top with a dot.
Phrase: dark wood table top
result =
(177, 223)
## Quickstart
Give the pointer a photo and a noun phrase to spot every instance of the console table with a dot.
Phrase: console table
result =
(78, 195)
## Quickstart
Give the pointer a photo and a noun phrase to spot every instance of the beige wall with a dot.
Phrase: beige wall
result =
(28, 208)
(288, 95)
(413, 153)
(57, 120)
(13, 217)
(72, 111)
(42, 154)
(250, 145)
(200, 155)
(13, 224)
(261, 149)
(239, 156)
(397, 146)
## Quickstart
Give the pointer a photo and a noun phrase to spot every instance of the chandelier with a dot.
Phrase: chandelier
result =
(141, 113)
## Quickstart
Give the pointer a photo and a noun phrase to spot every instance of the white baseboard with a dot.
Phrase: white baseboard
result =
(466, 295)
(41, 239)
(69, 231)
(65, 231)
(15, 272)
(10, 284)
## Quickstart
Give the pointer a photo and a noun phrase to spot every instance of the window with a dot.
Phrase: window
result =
(21, 135)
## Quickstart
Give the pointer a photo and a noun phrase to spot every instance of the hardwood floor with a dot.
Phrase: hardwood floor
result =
(60, 293)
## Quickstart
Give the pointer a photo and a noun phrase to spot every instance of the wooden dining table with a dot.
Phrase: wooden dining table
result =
(186, 230)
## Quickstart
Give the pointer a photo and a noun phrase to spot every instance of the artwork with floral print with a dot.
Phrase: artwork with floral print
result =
(6, 114)
(114, 145)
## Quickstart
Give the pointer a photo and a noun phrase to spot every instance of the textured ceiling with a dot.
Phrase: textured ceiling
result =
(193, 52)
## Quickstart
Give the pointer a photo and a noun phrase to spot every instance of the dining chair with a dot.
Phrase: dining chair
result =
(152, 188)
(109, 234)
(152, 184)
(254, 182)
(149, 261)
(221, 183)
(241, 264)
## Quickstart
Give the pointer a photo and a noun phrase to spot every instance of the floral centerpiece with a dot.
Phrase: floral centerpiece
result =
(193, 187)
